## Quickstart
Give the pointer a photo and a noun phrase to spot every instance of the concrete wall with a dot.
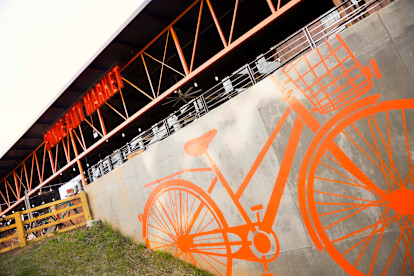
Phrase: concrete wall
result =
(359, 197)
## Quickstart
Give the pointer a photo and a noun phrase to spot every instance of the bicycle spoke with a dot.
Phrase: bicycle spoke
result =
(346, 204)
(162, 246)
(209, 263)
(407, 242)
(409, 176)
(350, 197)
(160, 225)
(367, 239)
(407, 250)
(372, 160)
(377, 153)
(349, 216)
(374, 231)
(175, 206)
(353, 169)
(388, 150)
(162, 217)
(171, 209)
(407, 141)
(156, 228)
(209, 255)
(338, 211)
(191, 257)
(390, 219)
(341, 174)
(374, 258)
(166, 248)
(160, 237)
(206, 225)
(394, 250)
(214, 259)
(189, 213)
(181, 213)
(383, 163)
(174, 213)
(410, 232)
(168, 217)
(158, 222)
(166, 244)
(201, 222)
(367, 187)
(346, 183)
(185, 212)
(194, 218)
(390, 147)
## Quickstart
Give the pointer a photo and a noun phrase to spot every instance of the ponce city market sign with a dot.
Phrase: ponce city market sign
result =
(95, 98)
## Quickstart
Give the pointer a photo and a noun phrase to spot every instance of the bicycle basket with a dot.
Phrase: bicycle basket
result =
(330, 78)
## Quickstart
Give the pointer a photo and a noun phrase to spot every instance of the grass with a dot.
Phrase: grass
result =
(92, 251)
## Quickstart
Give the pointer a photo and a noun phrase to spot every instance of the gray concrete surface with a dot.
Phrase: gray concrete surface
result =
(244, 125)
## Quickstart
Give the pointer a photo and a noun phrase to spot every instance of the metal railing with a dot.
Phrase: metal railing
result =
(299, 43)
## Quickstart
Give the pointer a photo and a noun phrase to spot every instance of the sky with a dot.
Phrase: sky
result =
(44, 45)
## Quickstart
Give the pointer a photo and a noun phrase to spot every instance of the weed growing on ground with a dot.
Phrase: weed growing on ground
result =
(99, 250)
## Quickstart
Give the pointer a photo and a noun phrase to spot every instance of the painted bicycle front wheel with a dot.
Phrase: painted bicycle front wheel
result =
(360, 190)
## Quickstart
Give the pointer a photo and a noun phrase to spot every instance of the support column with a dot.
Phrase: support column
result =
(20, 228)
(85, 204)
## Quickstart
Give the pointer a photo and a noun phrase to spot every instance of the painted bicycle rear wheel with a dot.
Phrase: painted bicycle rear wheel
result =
(360, 190)
(179, 217)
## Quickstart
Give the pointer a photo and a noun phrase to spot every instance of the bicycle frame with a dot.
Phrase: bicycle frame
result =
(304, 118)
(264, 225)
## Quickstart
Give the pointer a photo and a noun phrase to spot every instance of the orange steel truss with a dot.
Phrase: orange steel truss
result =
(42, 166)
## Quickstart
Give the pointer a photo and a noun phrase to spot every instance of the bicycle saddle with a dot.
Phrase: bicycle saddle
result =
(198, 146)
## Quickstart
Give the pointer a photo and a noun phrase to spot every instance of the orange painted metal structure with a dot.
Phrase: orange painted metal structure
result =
(33, 172)
(183, 218)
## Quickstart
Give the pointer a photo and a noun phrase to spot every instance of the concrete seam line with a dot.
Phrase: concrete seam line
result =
(411, 74)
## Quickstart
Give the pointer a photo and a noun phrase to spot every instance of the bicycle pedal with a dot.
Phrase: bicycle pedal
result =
(267, 274)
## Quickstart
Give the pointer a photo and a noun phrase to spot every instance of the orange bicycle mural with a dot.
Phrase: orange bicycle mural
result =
(348, 174)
